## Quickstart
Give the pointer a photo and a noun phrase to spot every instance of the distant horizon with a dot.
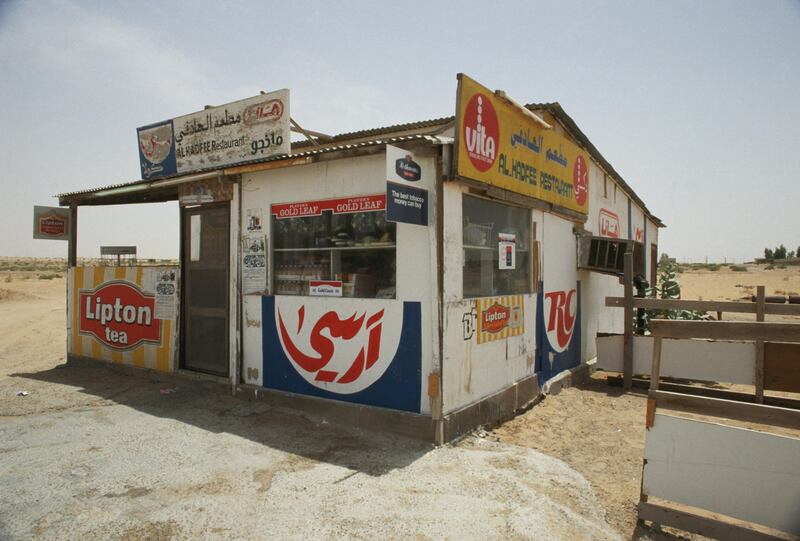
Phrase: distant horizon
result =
(692, 103)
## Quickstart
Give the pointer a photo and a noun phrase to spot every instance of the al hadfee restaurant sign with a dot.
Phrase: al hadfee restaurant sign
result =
(500, 145)
(227, 135)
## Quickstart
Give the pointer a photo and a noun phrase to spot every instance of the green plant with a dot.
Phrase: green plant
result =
(769, 267)
(738, 268)
(48, 276)
(668, 287)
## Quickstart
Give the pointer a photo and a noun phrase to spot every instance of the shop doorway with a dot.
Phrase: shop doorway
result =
(205, 257)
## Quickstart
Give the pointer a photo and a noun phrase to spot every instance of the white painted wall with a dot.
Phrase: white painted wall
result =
(416, 247)
(740, 473)
(473, 371)
(704, 360)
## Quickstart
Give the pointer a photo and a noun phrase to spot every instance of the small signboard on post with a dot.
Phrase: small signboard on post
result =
(51, 223)
(405, 201)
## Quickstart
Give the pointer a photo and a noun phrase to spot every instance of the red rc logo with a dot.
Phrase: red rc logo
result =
(339, 354)
(481, 132)
(580, 180)
(119, 315)
(562, 313)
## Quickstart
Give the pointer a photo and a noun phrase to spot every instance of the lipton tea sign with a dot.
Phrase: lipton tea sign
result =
(51, 223)
(500, 317)
(119, 315)
(500, 145)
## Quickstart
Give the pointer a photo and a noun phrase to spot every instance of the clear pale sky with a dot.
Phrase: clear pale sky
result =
(696, 104)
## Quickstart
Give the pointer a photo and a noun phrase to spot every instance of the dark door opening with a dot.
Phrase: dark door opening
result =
(205, 261)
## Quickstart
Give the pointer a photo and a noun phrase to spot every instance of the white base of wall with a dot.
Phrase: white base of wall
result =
(703, 360)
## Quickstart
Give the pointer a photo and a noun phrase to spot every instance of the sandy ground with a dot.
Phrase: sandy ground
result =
(92, 454)
(726, 284)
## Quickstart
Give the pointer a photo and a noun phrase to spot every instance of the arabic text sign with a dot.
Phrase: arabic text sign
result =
(51, 223)
(498, 144)
(230, 134)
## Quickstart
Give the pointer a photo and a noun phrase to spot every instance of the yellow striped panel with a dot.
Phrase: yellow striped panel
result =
(77, 283)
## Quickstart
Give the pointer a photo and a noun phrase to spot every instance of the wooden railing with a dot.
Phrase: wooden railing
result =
(715, 467)
(760, 308)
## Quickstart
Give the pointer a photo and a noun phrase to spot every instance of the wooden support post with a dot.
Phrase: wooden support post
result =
(627, 352)
(72, 250)
(719, 315)
(655, 369)
(760, 347)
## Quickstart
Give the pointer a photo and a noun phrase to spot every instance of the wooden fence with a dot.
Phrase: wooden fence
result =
(750, 477)
(785, 373)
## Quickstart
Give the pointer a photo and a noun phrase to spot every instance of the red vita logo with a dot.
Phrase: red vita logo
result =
(561, 322)
(119, 314)
(346, 329)
(481, 132)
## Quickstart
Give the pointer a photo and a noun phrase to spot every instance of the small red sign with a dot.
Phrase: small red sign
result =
(118, 314)
(495, 318)
(580, 179)
(608, 223)
(54, 226)
(345, 205)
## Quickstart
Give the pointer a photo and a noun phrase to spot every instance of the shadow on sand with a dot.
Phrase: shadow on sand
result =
(210, 407)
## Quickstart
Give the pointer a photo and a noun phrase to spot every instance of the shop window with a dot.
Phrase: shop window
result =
(335, 247)
(497, 248)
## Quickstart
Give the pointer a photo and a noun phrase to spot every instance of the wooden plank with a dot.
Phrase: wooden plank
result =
(726, 330)
(655, 369)
(705, 525)
(730, 409)
(760, 347)
(744, 474)
(782, 367)
(745, 307)
(627, 346)
(644, 384)
(72, 248)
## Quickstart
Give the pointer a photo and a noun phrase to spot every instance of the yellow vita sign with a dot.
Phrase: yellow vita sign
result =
(500, 145)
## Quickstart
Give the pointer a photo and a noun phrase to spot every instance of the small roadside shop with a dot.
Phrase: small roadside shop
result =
(426, 277)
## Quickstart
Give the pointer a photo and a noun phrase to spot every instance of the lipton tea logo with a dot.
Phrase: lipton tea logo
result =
(495, 318)
(52, 225)
(562, 310)
(481, 132)
(339, 354)
(119, 315)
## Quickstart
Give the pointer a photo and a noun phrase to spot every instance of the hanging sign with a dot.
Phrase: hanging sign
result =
(51, 223)
(227, 135)
(499, 144)
(406, 201)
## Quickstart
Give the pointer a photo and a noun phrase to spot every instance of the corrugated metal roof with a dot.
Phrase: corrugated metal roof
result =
(313, 151)
(425, 126)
